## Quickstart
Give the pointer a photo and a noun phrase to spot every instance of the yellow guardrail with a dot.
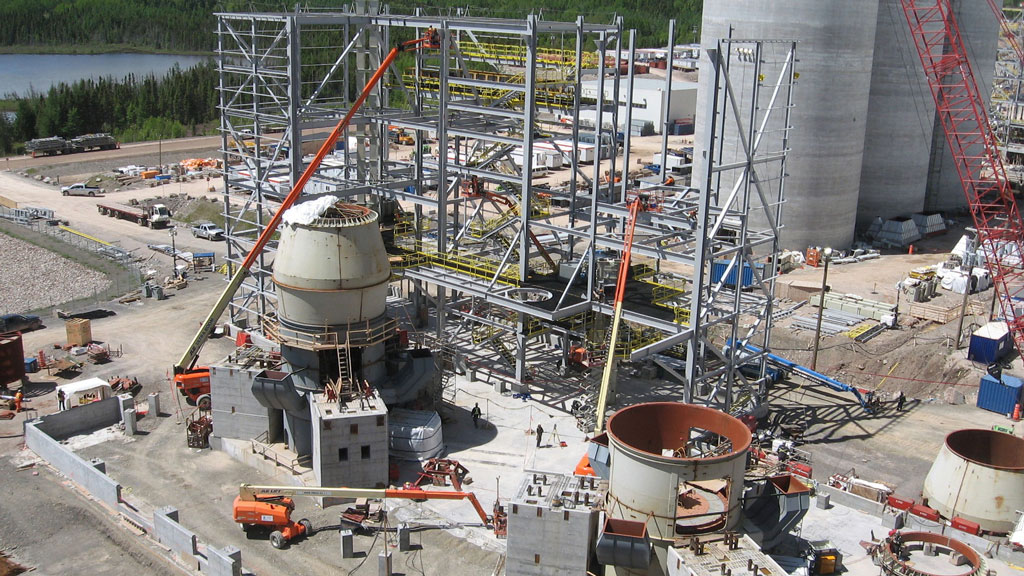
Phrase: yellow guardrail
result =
(84, 235)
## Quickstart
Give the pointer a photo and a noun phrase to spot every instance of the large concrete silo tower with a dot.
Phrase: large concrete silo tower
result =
(836, 46)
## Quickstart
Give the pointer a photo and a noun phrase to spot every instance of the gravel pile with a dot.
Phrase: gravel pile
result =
(33, 277)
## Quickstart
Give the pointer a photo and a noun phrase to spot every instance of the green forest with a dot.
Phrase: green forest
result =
(184, 102)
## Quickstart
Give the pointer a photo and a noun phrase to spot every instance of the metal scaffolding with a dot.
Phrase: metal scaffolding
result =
(499, 260)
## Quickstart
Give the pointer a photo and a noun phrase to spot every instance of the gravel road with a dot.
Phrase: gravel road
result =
(32, 277)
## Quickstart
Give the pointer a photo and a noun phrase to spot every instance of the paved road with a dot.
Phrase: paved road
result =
(200, 143)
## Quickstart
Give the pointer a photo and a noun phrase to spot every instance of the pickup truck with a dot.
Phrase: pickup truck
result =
(80, 189)
(207, 230)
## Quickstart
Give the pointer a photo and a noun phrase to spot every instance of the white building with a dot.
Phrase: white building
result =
(648, 102)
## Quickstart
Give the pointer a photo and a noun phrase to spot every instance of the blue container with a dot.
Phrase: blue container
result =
(31, 365)
(999, 396)
(718, 270)
(990, 343)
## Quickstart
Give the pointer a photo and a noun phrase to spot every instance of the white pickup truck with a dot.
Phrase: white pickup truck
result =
(207, 230)
(80, 189)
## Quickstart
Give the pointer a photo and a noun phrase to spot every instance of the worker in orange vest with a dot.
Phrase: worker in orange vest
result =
(17, 401)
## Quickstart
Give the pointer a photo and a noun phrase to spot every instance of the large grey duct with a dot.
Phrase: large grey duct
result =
(836, 45)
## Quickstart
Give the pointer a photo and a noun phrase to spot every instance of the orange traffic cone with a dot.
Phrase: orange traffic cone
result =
(1016, 412)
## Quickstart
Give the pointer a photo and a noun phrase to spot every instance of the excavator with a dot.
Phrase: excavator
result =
(193, 382)
(271, 506)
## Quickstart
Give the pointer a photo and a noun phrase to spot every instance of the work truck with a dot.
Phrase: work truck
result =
(155, 216)
(80, 189)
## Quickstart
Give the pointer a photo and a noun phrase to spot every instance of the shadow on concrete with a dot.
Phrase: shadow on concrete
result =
(840, 420)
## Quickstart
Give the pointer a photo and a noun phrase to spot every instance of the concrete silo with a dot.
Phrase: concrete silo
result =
(679, 469)
(900, 124)
(980, 32)
(835, 51)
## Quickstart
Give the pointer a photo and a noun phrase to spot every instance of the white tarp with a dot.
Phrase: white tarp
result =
(307, 212)
(88, 390)
(414, 434)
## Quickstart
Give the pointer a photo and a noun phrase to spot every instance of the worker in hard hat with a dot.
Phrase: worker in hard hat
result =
(18, 397)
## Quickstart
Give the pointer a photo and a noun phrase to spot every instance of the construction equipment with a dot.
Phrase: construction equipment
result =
(193, 381)
(198, 428)
(439, 471)
(620, 291)
(974, 147)
(271, 506)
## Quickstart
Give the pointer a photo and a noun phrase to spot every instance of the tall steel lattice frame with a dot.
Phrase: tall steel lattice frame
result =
(1007, 88)
(501, 260)
(961, 110)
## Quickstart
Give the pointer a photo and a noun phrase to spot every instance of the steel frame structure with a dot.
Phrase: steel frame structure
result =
(1007, 95)
(496, 254)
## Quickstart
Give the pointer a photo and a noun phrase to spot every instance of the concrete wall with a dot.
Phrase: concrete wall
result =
(562, 538)
(82, 471)
(91, 476)
(851, 500)
(351, 432)
(168, 532)
(84, 418)
(236, 412)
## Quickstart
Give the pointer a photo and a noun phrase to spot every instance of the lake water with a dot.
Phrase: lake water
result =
(20, 73)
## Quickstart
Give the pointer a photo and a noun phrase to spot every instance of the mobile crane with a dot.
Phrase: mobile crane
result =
(193, 381)
(620, 291)
(271, 506)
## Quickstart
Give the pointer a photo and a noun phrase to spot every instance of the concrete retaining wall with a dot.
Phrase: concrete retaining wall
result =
(168, 532)
(89, 474)
(84, 418)
(851, 500)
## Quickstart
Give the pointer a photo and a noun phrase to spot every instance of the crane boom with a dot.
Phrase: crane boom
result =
(253, 493)
(620, 292)
(974, 147)
(188, 359)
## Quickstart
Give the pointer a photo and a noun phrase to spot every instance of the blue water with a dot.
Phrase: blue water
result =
(21, 73)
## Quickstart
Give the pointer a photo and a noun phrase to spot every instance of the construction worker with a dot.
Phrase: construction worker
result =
(475, 413)
(540, 434)
(433, 38)
(18, 396)
(61, 400)
(899, 401)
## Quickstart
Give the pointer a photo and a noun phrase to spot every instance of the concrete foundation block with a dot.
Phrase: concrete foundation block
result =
(154, 404)
(403, 538)
(499, 386)
(894, 519)
(957, 559)
(129, 422)
(823, 501)
(98, 465)
(384, 564)
(125, 402)
(929, 549)
(171, 534)
(347, 544)
(225, 562)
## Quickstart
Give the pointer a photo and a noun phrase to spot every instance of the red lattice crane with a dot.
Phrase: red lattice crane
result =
(961, 110)
(1008, 32)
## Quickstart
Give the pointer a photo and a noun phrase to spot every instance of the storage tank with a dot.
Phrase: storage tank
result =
(677, 467)
(978, 475)
(835, 50)
(332, 271)
(900, 124)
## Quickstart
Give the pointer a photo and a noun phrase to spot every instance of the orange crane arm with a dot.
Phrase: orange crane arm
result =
(190, 356)
(620, 292)
(250, 492)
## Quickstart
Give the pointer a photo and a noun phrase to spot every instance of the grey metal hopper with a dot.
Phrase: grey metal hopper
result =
(624, 543)
(274, 389)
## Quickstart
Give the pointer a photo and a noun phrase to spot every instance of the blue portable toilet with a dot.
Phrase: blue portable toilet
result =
(999, 395)
(990, 343)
